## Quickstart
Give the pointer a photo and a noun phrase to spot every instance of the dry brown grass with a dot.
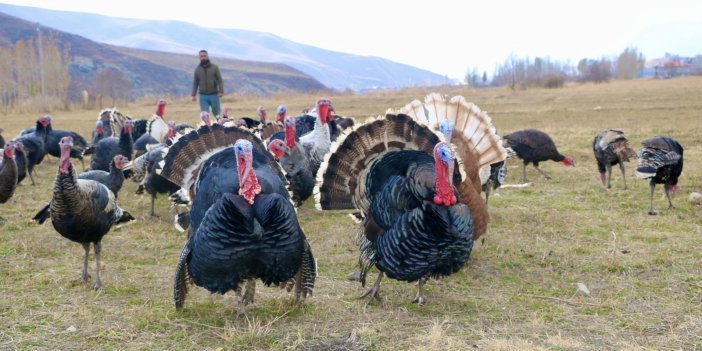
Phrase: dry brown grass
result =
(518, 292)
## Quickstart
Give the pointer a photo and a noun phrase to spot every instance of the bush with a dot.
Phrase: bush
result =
(553, 81)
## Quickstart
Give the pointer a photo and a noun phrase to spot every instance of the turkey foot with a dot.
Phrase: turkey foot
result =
(420, 299)
(374, 291)
(247, 297)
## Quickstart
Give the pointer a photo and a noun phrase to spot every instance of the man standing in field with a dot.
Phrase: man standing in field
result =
(208, 80)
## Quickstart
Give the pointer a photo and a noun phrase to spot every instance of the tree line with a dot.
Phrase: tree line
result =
(35, 75)
(518, 73)
(35, 72)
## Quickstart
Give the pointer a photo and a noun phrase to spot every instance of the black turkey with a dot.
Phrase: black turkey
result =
(153, 183)
(8, 174)
(53, 136)
(113, 179)
(420, 201)
(81, 210)
(2, 140)
(22, 162)
(242, 224)
(34, 145)
(534, 146)
(105, 150)
(661, 161)
(611, 147)
(498, 173)
(294, 162)
(98, 134)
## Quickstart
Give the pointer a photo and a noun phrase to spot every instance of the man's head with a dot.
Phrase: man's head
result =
(204, 57)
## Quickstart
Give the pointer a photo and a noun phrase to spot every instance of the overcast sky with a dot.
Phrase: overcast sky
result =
(445, 37)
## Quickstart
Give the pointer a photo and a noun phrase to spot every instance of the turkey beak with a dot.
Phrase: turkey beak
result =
(128, 166)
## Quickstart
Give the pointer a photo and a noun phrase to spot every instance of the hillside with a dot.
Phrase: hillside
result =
(154, 72)
(334, 69)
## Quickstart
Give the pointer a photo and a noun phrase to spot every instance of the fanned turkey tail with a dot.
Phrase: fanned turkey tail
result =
(657, 152)
(182, 161)
(475, 140)
(341, 178)
(615, 140)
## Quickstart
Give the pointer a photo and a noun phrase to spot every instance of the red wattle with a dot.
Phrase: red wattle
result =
(161, 108)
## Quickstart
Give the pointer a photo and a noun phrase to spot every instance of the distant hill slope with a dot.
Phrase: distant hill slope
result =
(154, 72)
(334, 69)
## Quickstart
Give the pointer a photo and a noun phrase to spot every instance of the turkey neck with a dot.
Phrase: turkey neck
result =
(289, 136)
(65, 194)
(444, 182)
(248, 183)
(125, 142)
(41, 131)
(161, 108)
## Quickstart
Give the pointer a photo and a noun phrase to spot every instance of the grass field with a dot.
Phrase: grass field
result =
(518, 292)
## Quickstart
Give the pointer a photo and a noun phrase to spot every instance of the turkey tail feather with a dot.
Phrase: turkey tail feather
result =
(182, 277)
(43, 214)
(308, 273)
(341, 177)
(183, 159)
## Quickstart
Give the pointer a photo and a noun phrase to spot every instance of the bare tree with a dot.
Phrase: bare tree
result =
(113, 83)
(629, 63)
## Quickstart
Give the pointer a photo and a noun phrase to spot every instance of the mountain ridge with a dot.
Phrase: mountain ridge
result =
(154, 72)
(334, 69)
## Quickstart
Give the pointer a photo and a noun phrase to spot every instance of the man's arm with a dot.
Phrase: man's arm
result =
(196, 82)
(220, 85)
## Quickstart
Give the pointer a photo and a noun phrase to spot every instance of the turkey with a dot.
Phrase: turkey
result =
(294, 162)
(242, 224)
(107, 148)
(461, 128)
(22, 162)
(156, 126)
(280, 114)
(261, 112)
(34, 146)
(8, 174)
(105, 117)
(113, 179)
(534, 146)
(661, 160)
(498, 173)
(205, 119)
(611, 147)
(2, 140)
(317, 142)
(98, 134)
(153, 183)
(81, 210)
(53, 136)
(419, 199)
